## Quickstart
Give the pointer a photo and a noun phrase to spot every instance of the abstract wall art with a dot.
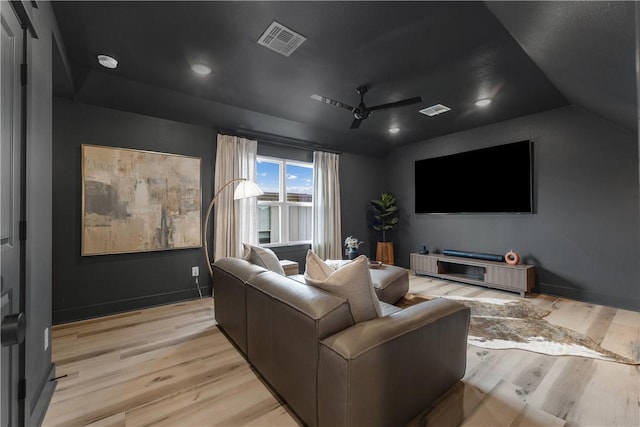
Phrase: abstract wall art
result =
(139, 201)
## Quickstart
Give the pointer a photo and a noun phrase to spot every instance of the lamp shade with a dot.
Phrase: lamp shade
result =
(247, 189)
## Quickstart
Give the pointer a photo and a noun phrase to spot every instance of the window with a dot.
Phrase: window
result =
(285, 209)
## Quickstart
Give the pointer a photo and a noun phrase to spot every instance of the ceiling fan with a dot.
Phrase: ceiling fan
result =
(361, 112)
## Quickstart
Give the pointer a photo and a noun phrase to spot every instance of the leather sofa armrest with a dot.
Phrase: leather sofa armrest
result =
(385, 371)
(229, 278)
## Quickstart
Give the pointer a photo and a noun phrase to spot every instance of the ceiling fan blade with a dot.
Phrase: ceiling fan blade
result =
(408, 101)
(355, 124)
(331, 102)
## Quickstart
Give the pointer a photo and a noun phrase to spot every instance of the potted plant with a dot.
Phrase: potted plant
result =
(384, 217)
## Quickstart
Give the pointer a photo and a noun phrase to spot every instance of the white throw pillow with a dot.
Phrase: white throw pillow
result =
(352, 281)
(263, 257)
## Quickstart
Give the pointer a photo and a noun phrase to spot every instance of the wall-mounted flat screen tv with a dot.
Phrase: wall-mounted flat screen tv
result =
(489, 180)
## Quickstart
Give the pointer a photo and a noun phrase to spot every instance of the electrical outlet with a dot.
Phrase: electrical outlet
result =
(195, 271)
(46, 339)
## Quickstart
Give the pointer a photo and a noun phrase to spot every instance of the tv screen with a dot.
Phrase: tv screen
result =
(489, 180)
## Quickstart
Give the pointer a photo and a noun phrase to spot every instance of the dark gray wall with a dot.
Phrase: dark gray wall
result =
(93, 286)
(361, 180)
(584, 234)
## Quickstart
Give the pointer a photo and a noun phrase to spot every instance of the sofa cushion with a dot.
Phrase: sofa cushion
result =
(263, 257)
(390, 283)
(352, 282)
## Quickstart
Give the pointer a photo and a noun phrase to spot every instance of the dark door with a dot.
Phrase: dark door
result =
(12, 357)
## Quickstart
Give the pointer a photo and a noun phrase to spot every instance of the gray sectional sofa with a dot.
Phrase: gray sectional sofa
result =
(332, 372)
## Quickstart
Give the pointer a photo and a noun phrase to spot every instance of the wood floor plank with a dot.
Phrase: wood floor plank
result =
(570, 383)
(451, 409)
(573, 315)
(119, 397)
(131, 368)
(276, 417)
(533, 373)
(599, 327)
(503, 406)
(116, 420)
(623, 336)
(199, 398)
(171, 366)
(607, 402)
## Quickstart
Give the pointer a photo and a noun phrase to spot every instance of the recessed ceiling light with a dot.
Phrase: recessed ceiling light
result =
(107, 61)
(483, 102)
(201, 69)
(394, 130)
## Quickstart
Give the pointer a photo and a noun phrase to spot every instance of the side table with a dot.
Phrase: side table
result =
(290, 267)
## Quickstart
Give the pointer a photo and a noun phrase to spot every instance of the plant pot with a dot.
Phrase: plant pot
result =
(353, 253)
(384, 252)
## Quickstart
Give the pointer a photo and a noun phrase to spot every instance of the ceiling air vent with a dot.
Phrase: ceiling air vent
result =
(434, 110)
(281, 39)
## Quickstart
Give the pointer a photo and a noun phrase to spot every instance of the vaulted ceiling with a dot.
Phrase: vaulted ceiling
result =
(526, 56)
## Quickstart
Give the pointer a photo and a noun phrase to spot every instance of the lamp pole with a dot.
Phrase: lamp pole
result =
(244, 190)
(206, 222)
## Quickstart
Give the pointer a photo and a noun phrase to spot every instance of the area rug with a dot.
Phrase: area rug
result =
(517, 324)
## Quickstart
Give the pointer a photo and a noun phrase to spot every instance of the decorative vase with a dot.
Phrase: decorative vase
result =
(512, 257)
(353, 253)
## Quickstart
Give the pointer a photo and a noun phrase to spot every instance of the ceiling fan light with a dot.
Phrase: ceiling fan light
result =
(483, 102)
(201, 69)
(394, 129)
(107, 61)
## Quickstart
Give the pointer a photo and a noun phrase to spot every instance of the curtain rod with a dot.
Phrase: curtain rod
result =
(284, 141)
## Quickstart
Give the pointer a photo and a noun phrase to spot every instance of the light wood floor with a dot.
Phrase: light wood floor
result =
(171, 366)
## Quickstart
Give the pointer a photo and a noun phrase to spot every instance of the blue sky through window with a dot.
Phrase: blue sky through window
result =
(299, 179)
(268, 176)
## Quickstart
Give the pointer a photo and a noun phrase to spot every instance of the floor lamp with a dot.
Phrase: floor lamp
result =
(244, 190)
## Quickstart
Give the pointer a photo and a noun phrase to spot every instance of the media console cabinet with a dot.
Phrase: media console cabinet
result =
(517, 278)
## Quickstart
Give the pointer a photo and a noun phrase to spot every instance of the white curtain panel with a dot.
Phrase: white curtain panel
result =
(235, 221)
(327, 235)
